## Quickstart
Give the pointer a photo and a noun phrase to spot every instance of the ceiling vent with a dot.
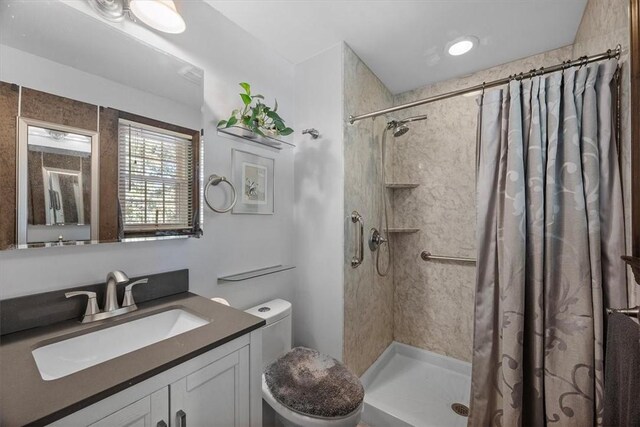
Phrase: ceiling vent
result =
(192, 74)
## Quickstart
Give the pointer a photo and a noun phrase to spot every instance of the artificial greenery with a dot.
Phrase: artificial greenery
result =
(256, 116)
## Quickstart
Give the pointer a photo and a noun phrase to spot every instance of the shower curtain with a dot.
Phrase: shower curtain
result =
(550, 235)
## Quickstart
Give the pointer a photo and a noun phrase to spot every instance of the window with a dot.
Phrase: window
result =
(156, 179)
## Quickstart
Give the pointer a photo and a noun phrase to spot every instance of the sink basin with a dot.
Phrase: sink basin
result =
(62, 358)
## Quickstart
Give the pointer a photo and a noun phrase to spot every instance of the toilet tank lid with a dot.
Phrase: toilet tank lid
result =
(271, 311)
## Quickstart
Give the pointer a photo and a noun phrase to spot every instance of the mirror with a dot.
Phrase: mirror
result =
(62, 193)
(101, 137)
(58, 173)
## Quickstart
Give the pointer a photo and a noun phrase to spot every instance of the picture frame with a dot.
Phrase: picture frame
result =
(253, 177)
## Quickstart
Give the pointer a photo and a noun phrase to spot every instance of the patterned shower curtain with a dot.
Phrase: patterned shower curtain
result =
(550, 235)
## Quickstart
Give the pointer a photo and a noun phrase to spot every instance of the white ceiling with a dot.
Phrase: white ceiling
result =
(403, 41)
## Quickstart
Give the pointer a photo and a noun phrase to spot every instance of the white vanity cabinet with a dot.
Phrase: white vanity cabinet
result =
(149, 411)
(221, 387)
(216, 395)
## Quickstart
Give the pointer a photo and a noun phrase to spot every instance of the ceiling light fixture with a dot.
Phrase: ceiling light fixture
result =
(161, 15)
(461, 46)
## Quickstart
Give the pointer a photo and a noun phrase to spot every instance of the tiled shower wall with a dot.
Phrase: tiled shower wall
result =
(368, 308)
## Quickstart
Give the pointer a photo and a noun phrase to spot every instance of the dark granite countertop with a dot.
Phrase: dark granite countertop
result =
(25, 398)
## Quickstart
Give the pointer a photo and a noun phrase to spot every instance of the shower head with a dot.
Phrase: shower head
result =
(400, 130)
(400, 127)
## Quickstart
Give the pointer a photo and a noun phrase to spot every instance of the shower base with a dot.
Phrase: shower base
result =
(408, 386)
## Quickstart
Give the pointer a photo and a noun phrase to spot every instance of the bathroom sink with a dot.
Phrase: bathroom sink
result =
(62, 358)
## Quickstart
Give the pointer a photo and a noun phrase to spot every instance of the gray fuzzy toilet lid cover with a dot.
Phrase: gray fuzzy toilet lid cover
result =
(312, 383)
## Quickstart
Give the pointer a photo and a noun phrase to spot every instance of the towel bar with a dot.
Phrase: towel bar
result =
(631, 311)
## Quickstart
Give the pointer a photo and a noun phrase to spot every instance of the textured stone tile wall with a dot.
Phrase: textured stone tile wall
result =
(368, 298)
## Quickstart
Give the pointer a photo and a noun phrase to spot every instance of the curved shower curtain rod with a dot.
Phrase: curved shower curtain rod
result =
(584, 60)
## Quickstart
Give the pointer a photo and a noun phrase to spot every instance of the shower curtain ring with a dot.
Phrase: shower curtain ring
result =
(585, 61)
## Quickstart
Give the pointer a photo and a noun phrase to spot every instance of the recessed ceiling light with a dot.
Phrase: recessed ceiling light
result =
(461, 46)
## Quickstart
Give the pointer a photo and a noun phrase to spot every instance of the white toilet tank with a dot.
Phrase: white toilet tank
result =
(276, 335)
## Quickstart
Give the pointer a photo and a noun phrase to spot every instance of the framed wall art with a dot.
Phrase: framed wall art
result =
(253, 177)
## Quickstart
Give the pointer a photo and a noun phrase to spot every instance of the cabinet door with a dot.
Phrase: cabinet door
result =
(216, 395)
(150, 411)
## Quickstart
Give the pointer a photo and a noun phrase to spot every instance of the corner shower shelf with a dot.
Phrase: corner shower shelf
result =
(399, 230)
(395, 186)
(237, 132)
(255, 273)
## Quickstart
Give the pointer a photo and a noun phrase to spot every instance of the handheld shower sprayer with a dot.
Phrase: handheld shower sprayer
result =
(399, 128)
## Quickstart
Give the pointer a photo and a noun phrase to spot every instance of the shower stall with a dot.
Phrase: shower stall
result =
(408, 322)
(410, 175)
(394, 396)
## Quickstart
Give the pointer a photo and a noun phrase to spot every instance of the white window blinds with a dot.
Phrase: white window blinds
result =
(155, 178)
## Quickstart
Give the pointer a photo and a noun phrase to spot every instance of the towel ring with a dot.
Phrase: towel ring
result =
(215, 180)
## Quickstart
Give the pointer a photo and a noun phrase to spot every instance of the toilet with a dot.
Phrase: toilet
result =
(277, 353)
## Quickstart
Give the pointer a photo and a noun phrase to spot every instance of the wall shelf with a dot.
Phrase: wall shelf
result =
(255, 273)
(245, 135)
(395, 186)
(402, 230)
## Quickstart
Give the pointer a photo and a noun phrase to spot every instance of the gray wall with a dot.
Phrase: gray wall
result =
(319, 200)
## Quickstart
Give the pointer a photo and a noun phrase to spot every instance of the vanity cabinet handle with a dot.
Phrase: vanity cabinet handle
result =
(161, 423)
(181, 418)
(58, 203)
(356, 218)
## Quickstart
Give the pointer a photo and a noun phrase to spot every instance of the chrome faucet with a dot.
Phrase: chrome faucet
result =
(111, 307)
(111, 296)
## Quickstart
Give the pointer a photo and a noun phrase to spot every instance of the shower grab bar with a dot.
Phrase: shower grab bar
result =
(356, 218)
(428, 256)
